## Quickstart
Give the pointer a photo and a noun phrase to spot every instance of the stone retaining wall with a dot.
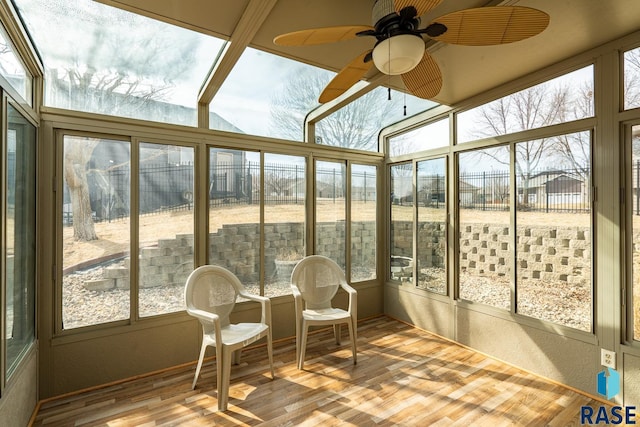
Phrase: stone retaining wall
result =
(546, 253)
(237, 248)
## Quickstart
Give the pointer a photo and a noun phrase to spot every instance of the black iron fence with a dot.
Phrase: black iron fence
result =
(567, 190)
(170, 187)
(635, 179)
(166, 187)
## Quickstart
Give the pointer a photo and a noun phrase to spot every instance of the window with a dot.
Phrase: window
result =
(563, 99)
(284, 220)
(632, 79)
(401, 231)
(363, 222)
(165, 227)
(13, 70)
(633, 215)
(234, 213)
(114, 66)
(96, 229)
(95, 221)
(331, 202)
(553, 234)
(431, 135)
(272, 102)
(432, 225)
(358, 124)
(552, 247)
(19, 254)
(485, 247)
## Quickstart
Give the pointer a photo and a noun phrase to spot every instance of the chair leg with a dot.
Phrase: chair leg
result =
(203, 349)
(236, 356)
(303, 344)
(270, 352)
(353, 337)
(224, 376)
(337, 331)
(298, 338)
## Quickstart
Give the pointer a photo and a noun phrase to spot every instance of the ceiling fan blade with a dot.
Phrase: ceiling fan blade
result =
(425, 80)
(321, 35)
(487, 26)
(346, 78)
(422, 6)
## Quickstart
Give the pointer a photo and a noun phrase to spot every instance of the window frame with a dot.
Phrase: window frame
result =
(628, 313)
(60, 134)
(5, 376)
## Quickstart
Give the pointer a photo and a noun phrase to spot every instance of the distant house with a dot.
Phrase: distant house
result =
(554, 188)
(329, 190)
(363, 193)
(431, 190)
(468, 193)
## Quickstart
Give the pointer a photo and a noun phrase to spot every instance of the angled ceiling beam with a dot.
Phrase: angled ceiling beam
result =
(254, 15)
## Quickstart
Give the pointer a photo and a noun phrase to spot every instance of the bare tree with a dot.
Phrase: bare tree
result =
(632, 78)
(354, 126)
(77, 152)
(531, 108)
(499, 184)
(281, 180)
(105, 72)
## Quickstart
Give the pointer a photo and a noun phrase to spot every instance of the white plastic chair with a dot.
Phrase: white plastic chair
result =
(314, 282)
(210, 295)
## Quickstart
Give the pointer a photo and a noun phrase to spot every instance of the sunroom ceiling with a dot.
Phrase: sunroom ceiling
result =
(575, 26)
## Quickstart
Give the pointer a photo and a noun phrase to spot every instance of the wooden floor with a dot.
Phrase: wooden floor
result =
(404, 377)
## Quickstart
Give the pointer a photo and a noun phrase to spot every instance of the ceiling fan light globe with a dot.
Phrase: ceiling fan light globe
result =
(398, 54)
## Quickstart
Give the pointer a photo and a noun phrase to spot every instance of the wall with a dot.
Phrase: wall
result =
(20, 397)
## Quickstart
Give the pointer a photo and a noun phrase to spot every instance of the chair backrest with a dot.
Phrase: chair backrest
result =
(318, 279)
(213, 289)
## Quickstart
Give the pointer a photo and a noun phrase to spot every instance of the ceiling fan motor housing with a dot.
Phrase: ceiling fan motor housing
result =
(382, 9)
(389, 23)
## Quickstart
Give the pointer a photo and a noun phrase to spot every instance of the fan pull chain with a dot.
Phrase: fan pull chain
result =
(405, 103)
(389, 75)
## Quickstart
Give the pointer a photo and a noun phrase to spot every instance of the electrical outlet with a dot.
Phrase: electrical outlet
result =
(608, 358)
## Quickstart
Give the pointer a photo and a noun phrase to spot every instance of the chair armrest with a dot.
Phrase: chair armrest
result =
(297, 299)
(295, 291)
(264, 302)
(252, 297)
(353, 299)
(348, 288)
(204, 316)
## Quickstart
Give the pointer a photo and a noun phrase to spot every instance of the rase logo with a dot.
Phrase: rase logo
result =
(608, 385)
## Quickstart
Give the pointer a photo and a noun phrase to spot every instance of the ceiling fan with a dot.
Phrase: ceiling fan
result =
(400, 47)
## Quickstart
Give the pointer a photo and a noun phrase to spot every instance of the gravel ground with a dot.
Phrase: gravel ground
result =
(564, 304)
(83, 307)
